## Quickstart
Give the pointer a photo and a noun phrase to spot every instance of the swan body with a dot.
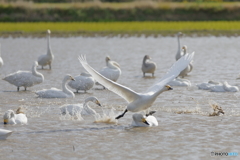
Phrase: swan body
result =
(25, 78)
(1, 60)
(82, 82)
(83, 109)
(179, 53)
(46, 59)
(140, 120)
(112, 70)
(148, 66)
(11, 118)
(230, 88)
(5, 133)
(57, 93)
(180, 82)
(208, 85)
(139, 101)
(189, 68)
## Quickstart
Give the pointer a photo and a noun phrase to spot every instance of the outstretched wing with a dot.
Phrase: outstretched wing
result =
(125, 92)
(173, 72)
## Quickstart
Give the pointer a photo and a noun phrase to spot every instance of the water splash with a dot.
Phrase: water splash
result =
(108, 116)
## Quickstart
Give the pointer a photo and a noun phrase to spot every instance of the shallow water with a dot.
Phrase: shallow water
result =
(189, 135)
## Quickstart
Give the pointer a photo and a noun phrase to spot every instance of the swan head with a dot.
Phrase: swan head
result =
(94, 100)
(7, 116)
(69, 77)
(147, 57)
(139, 118)
(179, 34)
(107, 59)
(48, 31)
(167, 88)
(184, 47)
(35, 63)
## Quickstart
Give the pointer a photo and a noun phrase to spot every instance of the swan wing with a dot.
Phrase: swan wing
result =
(173, 72)
(125, 92)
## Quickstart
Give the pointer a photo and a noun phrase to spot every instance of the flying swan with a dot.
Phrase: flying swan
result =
(139, 101)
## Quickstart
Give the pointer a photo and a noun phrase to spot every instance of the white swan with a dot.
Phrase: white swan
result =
(180, 82)
(83, 109)
(140, 120)
(189, 68)
(1, 60)
(4, 133)
(148, 66)
(179, 53)
(217, 88)
(57, 93)
(112, 70)
(46, 59)
(82, 82)
(25, 78)
(14, 118)
(230, 88)
(139, 101)
(207, 85)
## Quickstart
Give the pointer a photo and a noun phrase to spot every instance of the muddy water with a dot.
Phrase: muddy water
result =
(189, 135)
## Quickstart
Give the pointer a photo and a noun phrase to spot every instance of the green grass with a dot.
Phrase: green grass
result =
(122, 27)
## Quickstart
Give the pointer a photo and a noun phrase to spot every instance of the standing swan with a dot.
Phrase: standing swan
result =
(46, 59)
(82, 109)
(1, 60)
(140, 101)
(148, 66)
(57, 93)
(25, 78)
(179, 53)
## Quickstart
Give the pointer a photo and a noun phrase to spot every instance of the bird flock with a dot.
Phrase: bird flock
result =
(107, 77)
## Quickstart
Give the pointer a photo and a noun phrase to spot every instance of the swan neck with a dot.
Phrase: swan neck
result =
(64, 87)
(35, 72)
(49, 51)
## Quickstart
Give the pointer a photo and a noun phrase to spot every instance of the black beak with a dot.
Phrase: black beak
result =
(4, 122)
(170, 88)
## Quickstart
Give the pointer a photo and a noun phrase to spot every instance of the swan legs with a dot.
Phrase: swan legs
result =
(120, 116)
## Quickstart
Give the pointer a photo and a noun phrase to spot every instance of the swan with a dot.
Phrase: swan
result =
(139, 101)
(140, 120)
(82, 109)
(1, 60)
(148, 66)
(180, 82)
(46, 59)
(179, 53)
(230, 88)
(57, 93)
(207, 85)
(112, 70)
(25, 78)
(82, 82)
(15, 118)
(189, 68)
(4, 133)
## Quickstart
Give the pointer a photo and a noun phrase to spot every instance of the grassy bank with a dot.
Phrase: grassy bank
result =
(123, 28)
(109, 12)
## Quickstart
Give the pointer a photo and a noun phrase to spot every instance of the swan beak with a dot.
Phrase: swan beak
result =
(169, 87)
(98, 103)
(72, 79)
(145, 121)
(5, 121)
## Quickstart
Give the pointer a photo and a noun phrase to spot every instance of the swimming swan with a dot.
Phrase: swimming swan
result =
(82, 109)
(208, 85)
(25, 78)
(139, 101)
(180, 82)
(14, 118)
(148, 66)
(57, 93)
(230, 88)
(140, 120)
(82, 82)
(4, 133)
(46, 59)
(1, 60)
(179, 53)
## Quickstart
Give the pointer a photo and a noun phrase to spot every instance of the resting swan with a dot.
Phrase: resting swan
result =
(140, 120)
(148, 66)
(180, 82)
(15, 118)
(46, 59)
(139, 101)
(83, 109)
(1, 60)
(57, 93)
(25, 78)
(4, 133)
(82, 82)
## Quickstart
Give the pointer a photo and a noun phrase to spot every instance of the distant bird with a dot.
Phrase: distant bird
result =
(139, 101)
(230, 88)
(15, 118)
(1, 60)
(207, 85)
(180, 82)
(148, 66)
(82, 109)
(179, 53)
(25, 78)
(5, 133)
(189, 68)
(46, 59)
(82, 82)
(57, 93)
(140, 120)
